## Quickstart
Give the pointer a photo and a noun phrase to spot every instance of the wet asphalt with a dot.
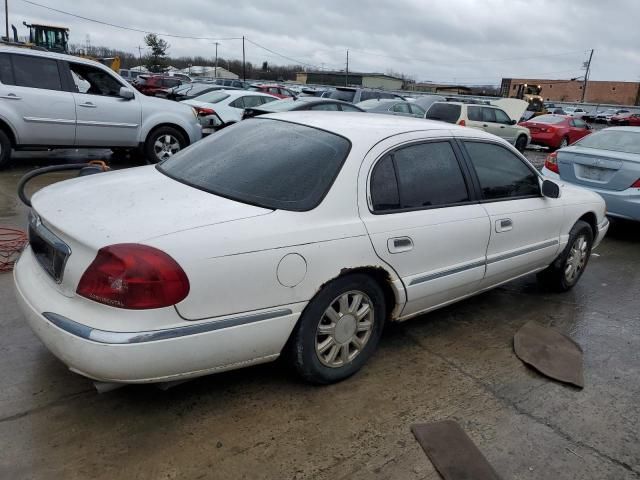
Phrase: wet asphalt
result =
(263, 423)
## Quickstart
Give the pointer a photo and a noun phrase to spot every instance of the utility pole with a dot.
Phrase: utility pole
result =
(244, 70)
(216, 70)
(586, 76)
(346, 78)
(140, 54)
(6, 18)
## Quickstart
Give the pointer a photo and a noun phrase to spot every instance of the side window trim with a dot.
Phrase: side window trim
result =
(474, 176)
(468, 181)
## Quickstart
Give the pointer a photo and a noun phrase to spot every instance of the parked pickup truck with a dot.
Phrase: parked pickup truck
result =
(59, 101)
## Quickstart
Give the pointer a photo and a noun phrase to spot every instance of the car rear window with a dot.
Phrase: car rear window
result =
(264, 162)
(614, 140)
(344, 95)
(446, 112)
(212, 97)
(550, 119)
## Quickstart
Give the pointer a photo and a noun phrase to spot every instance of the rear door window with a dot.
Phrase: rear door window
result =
(417, 110)
(251, 101)
(344, 95)
(36, 72)
(427, 175)
(474, 114)
(502, 175)
(238, 103)
(446, 112)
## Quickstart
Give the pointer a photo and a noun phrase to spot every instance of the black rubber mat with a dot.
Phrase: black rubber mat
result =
(452, 452)
(550, 352)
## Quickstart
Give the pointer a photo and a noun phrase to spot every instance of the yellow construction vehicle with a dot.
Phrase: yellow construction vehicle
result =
(55, 39)
(531, 95)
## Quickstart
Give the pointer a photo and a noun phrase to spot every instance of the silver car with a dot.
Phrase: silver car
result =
(606, 162)
(60, 101)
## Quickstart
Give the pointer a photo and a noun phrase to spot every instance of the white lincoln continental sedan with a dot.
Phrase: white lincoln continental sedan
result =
(299, 233)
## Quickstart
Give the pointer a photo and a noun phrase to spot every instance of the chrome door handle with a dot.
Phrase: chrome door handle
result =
(504, 225)
(11, 96)
(399, 244)
(88, 105)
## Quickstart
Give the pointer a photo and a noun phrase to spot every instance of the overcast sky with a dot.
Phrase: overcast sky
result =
(464, 41)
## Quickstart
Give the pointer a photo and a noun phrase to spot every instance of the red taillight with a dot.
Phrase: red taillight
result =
(462, 123)
(551, 162)
(636, 184)
(134, 276)
(203, 112)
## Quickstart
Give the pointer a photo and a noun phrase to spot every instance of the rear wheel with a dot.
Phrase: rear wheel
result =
(339, 329)
(564, 142)
(163, 143)
(521, 143)
(566, 270)
(5, 150)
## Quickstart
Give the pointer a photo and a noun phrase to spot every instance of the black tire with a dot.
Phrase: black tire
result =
(175, 143)
(555, 275)
(521, 143)
(5, 150)
(306, 337)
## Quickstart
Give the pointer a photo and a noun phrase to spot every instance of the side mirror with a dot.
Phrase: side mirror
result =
(588, 127)
(550, 189)
(126, 93)
(512, 122)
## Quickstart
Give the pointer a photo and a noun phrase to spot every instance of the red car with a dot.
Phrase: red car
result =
(627, 118)
(275, 90)
(156, 85)
(556, 131)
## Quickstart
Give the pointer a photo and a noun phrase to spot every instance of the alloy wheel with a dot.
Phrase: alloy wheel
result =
(166, 146)
(577, 259)
(344, 329)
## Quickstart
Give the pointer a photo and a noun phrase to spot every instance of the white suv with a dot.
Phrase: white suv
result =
(61, 101)
(483, 117)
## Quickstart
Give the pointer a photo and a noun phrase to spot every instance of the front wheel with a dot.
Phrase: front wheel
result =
(339, 330)
(163, 143)
(563, 274)
(563, 143)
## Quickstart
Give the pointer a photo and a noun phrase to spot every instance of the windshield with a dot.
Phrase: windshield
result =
(614, 140)
(344, 95)
(446, 112)
(212, 97)
(551, 119)
(264, 162)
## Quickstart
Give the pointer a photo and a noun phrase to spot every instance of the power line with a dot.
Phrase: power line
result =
(281, 55)
(122, 27)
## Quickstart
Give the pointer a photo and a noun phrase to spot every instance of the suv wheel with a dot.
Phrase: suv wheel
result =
(521, 143)
(163, 143)
(5, 150)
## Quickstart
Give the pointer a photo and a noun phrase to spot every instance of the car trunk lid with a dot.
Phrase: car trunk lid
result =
(601, 169)
(73, 219)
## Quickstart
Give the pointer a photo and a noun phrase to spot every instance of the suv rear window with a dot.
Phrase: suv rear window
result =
(446, 112)
(281, 165)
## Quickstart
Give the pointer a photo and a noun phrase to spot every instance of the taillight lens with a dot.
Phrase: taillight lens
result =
(462, 123)
(203, 112)
(551, 162)
(134, 276)
(636, 184)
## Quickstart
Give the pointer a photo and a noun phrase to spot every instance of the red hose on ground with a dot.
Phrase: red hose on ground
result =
(12, 241)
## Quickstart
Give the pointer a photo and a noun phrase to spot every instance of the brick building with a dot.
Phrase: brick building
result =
(618, 93)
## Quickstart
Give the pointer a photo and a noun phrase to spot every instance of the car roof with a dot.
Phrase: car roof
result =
(622, 129)
(46, 54)
(370, 125)
(239, 93)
